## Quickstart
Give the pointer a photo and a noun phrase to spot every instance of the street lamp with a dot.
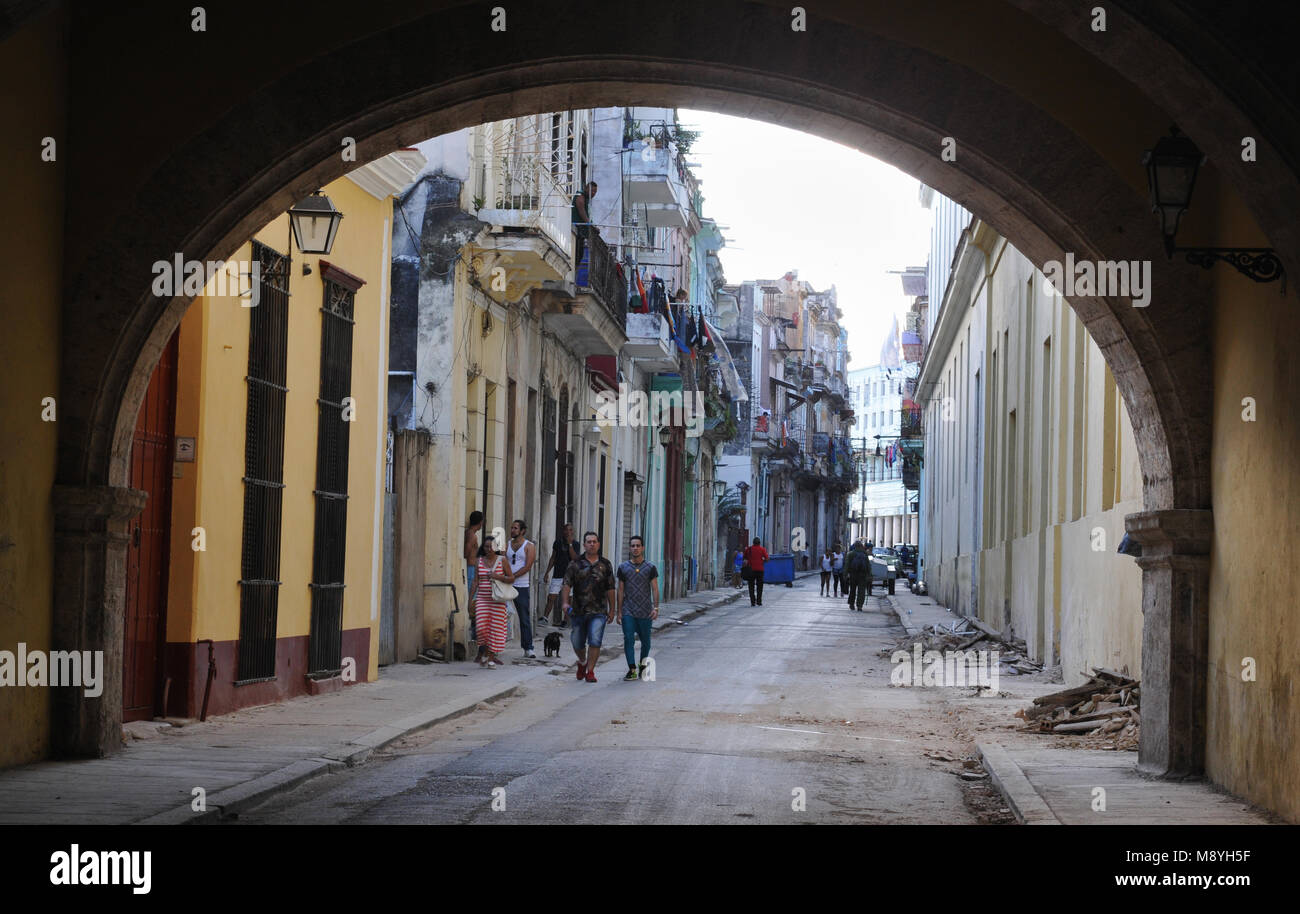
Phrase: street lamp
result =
(315, 222)
(719, 488)
(1171, 175)
(665, 436)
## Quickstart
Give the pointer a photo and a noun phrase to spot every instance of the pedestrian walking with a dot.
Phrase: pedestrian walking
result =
(490, 617)
(755, 556)
(857, 573)
(826, 572)
(837, 569)
(638, 606)
(589, 602)
(521, 554)
(563, 551)
(736, 563)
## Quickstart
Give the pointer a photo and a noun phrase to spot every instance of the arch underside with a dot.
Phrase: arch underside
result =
(1049, 121)
(1031, 178)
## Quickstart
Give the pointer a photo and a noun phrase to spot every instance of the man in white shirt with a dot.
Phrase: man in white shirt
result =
(520, 554)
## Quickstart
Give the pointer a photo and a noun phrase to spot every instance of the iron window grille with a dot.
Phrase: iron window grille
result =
(259, 584)
(325, 645)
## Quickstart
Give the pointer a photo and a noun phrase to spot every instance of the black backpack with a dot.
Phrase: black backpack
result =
(858, 562)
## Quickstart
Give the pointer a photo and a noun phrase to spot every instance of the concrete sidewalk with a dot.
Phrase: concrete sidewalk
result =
(1047, 785)
(240, 759)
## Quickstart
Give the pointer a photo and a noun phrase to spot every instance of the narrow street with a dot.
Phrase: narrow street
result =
(749, 704)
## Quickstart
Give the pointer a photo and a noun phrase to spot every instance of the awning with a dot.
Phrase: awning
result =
(730, 377)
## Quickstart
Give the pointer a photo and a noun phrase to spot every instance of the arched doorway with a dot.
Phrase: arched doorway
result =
(1050, 170)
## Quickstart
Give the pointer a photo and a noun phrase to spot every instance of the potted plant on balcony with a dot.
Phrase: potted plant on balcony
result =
(684, 138)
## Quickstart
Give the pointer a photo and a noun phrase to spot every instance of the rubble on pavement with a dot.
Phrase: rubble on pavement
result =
(964, 634)
(1105, 708)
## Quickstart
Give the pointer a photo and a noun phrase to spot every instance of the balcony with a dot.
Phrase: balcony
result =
(913, 348)
(528, 242)
(593, 320)
(648, 343)
(719, 423)
(653, 177)
(911, 473)
(911, 424)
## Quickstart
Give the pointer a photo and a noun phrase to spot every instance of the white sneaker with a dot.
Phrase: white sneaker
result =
(530, 655)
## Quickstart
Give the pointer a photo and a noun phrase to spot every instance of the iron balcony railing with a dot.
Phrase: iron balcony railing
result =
(911, 424)
(598, 275)
(527, 196)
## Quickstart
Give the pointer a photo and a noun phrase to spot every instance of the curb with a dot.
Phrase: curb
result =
(903, 618)
(350, 754)
(1028, 806)
(714, 602)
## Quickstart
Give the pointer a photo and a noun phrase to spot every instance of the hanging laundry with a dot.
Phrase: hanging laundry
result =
(702, 341)
(658, 296)
(679, 329)
(659, 305)
(645, 299)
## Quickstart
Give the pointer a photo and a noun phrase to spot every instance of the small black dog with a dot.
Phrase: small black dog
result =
(552, 644)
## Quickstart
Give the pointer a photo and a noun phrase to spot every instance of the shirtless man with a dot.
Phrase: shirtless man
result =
(471, 557)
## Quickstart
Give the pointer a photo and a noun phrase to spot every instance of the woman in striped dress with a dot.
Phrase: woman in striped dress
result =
(490, 616)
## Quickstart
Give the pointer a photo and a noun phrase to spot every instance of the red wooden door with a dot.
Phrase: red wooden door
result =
(147, 551)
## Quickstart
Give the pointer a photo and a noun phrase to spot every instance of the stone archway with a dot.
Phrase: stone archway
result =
(1044, 175)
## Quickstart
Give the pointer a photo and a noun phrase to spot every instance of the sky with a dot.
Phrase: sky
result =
(792, 201)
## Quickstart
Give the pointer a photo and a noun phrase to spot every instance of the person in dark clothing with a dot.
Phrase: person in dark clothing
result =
(564, 551)
(857, 573)
(581, 218)
(755, 556)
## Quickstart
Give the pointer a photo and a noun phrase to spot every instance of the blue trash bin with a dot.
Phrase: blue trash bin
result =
(779, 569)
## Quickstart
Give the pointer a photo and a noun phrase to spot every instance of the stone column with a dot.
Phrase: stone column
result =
(1175, 565)
(90, 546)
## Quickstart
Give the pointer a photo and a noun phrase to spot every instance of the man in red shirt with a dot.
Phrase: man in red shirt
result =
(755, 556)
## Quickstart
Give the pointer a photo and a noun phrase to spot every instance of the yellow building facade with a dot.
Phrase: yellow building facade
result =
(324, 539)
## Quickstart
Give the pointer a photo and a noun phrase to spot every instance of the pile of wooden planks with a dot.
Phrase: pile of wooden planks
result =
(1105, 706)
(966, 634)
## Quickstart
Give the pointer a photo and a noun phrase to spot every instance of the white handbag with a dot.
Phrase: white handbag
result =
(501, 591)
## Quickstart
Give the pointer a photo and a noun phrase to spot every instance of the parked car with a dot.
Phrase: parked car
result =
(906, 557)
(884, 567)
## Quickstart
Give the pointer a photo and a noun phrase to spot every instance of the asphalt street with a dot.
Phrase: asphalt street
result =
(782, 713)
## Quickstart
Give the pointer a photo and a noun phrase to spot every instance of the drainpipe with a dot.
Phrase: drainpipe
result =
(212, 674)
(451, 621)
(651, 435)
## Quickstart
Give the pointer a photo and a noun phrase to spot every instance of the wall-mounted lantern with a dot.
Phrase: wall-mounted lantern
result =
(1172, 165)
(315, 222)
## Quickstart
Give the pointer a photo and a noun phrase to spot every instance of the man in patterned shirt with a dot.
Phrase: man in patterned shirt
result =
(590, 582)
(638, 605)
